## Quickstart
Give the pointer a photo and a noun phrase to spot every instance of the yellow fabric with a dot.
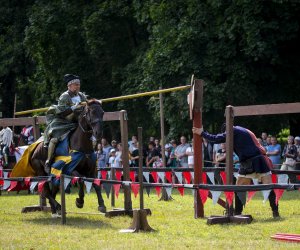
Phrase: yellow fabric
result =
(66, 159)
(23, 167)
(55, 172)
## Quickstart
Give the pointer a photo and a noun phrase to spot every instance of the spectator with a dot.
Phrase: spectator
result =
(112, 158)
(236, 161)
(27, 135)
(269, 140)
(114, 145)
(260, 141)
(157, 146)
(297, 144)
(290, 155)
(151, 139)
(100, 156)
(221, 156)
(190, 153)
(180, 153)
(207, 151)
(172, 160)
(264, 137)
(6, 141)
(274, 152)
(132, 144)
(168, 151)
(119, 156)
(152, 154)
(106, 147)
(134, 156)
(216, 148)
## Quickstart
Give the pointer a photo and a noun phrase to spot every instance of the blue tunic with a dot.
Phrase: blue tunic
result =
(246, 146)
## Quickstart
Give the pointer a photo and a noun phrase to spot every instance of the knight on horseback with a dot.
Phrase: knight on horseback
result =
(63, 117)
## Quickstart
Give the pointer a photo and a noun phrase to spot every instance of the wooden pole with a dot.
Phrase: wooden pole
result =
(112, 177)
(63, 199)
(140, 136)
(162, 128)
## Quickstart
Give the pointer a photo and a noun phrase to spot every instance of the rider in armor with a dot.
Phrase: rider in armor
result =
(63, 117)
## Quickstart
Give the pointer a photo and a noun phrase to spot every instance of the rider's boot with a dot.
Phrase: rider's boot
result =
(51, 150)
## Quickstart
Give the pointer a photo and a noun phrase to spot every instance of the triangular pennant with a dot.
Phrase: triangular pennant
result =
(283, 178)
(107, 188)
(41, 186)
(169, 191)
(181, 191)
(27, 181)
(108, 177)
(67, 182)
(154, 175)
(250, 195)
(13, 184)
(75, 180)
(132, 176)
(161, 176)
(32, 186)
(255, 181)
(242, 197)
(6, 184)
(223, 176)
(158, 189)
(88, 186)
(135, 189)
(298, 177)
(192, 175)
(5, 174)
(266, 194)
(229, 197)
(215, 196)
(211, 176)
(118, 175)
(169, 177)
(187, 176)
(117, 189)
(278, 193)
(204, 178)
(203, 195)
(274, 178)
(146, 175)
(103, 174)
(179, 176)
(97, 182)
(148, 189)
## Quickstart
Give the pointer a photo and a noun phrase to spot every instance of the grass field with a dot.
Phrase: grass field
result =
(174, 223)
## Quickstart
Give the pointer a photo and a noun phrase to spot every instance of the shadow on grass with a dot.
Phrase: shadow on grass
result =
(77, 222)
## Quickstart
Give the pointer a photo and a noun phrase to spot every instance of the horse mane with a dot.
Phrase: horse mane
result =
(93, 101)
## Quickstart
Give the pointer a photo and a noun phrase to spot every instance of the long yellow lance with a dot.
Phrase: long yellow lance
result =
(118, 98)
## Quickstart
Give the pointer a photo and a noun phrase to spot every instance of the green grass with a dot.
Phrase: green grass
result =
(174, 223)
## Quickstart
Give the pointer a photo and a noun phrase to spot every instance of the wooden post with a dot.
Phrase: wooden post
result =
(63, 199)
(112, 177)
(36, 128)
(162, 128)
(140, 136)
(197, 103)
(125, 159)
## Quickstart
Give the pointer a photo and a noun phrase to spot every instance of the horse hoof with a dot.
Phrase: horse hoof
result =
(55, 216)
(78, 203)
(102, 209)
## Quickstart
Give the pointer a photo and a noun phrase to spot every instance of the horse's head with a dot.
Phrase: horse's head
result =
(93, 116)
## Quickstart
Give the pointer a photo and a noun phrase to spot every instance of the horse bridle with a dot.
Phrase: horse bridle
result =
(86, 115)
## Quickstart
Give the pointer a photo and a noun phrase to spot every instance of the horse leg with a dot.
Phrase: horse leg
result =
(80, 200)
(55, 189)
(101, 207)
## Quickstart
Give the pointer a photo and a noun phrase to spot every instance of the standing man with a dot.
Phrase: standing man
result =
(274, 152)
(62, 118)
(180, 153)
(6, 140)
(253, 160)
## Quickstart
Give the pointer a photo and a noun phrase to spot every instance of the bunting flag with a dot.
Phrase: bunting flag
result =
(283, 178)
(97, 182)
(211, 176)
(193, 175)
(117, 189)
(161, 176)
(1, 175)
(27, 181)
(250, 195)
(298, 177)
(103, 174)
(223, 176)
(204, 178)
(154, 175)
(229, 197)
(75, 180)
(203, 195)
(13, 184)
(179, 176)
(242, 196)
(274, 178)
(187, 176)
(181, 190)
(278, 193)
(146, 175)
(32, 186)
(108, 175)
(255, 181)
(169, 177)
(6, 184)
(67, 182)
(148, 189)
(5, 174)
(158, 189)
(118, 175)
(107, 188)
(88, 186)
(266, 194)
(132, 176)
(169, 191)
(215, 196)
(41, 186)
(135, 189)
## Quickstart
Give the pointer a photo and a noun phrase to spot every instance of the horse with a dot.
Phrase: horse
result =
(89, 124)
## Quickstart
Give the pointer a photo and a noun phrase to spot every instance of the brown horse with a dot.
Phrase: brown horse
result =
(89, 124)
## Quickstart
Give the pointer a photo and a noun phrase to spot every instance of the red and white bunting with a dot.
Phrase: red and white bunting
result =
(117, 189)
(97, 182)
(229, 197)
(132, 176)
(278, 193)
(169, 177)
(118, 175)
(41, 186)
(103, 174)
(203, 195)
(223, 177)
(135, 189)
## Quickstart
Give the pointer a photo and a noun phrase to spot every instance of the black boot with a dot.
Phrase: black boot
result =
(274, 207)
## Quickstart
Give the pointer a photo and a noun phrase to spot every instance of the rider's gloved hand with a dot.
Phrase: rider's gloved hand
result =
(76, 106)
